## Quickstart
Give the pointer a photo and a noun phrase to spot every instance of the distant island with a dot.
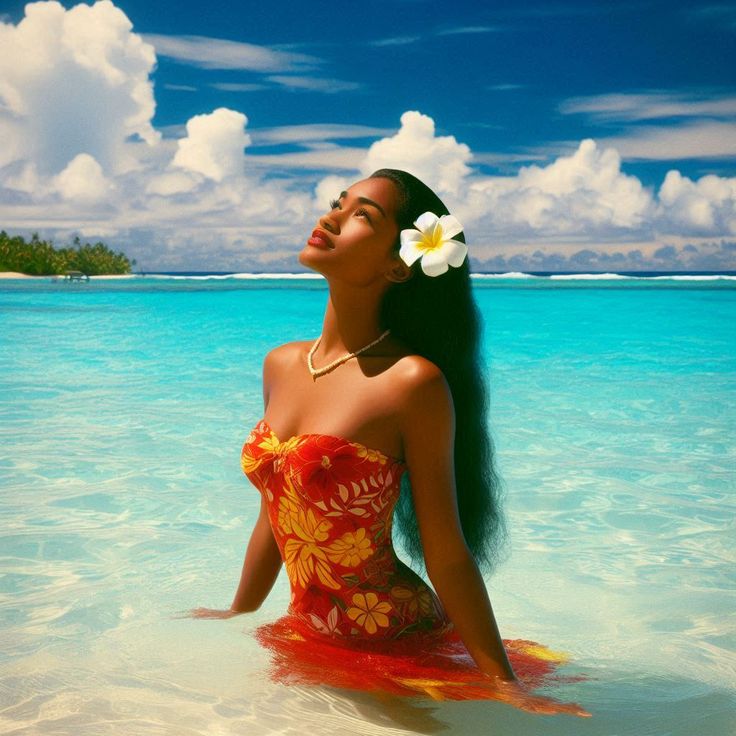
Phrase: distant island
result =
(37, 257)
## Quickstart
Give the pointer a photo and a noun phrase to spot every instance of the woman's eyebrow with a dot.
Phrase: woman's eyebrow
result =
(365, 200)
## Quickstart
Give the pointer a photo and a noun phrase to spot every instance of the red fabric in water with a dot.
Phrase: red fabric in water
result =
(420, 666)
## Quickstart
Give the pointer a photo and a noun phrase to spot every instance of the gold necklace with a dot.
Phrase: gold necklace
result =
(321, 371)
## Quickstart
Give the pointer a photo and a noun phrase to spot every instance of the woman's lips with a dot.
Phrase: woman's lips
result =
(320, 240)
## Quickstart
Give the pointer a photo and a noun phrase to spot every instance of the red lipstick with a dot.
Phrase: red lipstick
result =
(320, 239)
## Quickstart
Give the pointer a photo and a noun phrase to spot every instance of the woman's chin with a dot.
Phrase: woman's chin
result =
(306, 261)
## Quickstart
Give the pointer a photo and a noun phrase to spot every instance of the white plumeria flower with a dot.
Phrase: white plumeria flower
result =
(432, 242)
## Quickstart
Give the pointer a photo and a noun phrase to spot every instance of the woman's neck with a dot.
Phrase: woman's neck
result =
(350, 321)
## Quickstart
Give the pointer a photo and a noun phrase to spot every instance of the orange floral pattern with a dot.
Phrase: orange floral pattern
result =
(330, 504)
(370, 613)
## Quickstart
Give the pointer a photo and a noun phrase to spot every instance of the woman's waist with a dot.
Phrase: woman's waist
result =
(398, 607)
(334, 567)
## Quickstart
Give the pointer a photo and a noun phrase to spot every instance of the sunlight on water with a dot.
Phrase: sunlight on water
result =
(122, 412)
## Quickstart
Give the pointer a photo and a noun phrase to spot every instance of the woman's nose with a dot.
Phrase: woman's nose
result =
(329, 224)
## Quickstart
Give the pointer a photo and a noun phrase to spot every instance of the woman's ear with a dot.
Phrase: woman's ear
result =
(398, 271)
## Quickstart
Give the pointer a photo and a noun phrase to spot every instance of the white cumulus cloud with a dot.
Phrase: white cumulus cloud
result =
(703, 207)
(586, 191)
(83, 180)
(439, 161)
(73, 81)
(214, 145)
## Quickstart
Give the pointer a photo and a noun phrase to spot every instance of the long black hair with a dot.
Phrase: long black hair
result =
(439, 319)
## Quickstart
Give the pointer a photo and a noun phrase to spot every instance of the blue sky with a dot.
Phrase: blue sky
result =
(503, 80)
(510, 87)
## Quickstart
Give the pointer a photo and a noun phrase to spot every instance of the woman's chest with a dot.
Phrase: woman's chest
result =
(359, 401)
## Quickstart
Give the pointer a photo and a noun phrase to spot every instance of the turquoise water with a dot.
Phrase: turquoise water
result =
(123, 408)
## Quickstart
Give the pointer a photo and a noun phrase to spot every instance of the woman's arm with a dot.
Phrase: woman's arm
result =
(428, 433)
(260, 568)
(262, 558)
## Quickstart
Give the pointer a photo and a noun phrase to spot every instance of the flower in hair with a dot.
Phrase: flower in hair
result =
(432, 242)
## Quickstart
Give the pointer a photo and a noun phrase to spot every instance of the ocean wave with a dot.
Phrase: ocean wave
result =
(508, 275)
(590, 276)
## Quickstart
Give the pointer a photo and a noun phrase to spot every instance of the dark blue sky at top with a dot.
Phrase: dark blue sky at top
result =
(498, 91)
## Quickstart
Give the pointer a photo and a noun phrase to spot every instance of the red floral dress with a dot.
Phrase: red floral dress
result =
(358, 617)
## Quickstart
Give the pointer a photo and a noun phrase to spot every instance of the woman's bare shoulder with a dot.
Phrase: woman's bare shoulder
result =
(425, 397)
(418, 380)
(287, 352)
(415, 370)
(279, 361)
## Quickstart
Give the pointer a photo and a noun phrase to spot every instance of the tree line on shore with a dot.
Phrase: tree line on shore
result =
(37, 257)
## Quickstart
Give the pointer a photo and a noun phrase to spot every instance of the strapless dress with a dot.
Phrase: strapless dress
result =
(358, 617)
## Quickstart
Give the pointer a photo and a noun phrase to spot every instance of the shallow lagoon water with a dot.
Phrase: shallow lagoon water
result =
(123, 407)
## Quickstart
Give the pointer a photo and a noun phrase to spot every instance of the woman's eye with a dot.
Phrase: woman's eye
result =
(360, 212)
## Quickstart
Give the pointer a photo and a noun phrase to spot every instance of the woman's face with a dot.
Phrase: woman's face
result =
(354, 239)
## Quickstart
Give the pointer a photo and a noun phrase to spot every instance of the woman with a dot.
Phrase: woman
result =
(385, 411)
